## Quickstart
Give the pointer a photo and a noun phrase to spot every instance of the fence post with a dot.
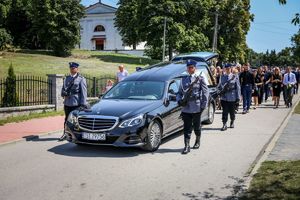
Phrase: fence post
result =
(94, 87)
(57, 83)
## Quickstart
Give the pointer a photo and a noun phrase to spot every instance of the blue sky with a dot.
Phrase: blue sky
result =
(271, 29)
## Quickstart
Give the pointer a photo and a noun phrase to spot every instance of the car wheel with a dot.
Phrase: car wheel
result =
(211, 114)
(153, 138)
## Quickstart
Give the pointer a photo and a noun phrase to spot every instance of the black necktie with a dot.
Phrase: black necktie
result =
(289, 77)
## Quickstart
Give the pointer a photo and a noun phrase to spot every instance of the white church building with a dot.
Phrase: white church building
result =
(98, 31)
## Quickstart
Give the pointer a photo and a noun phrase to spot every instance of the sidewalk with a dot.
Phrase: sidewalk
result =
(288, 145)
(16, 131)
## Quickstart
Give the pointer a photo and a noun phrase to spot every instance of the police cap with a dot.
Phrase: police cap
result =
(73, 65)
(191, 63)
(227, 65)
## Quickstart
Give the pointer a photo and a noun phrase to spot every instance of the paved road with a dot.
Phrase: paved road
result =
(46, 169)
(288, 145)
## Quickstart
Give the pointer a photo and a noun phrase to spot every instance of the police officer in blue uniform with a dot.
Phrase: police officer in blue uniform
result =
(193, 97)
(74, 92)
(230, 95)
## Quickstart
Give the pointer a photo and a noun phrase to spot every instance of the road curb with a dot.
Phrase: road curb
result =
(268, 147)
(28, 137)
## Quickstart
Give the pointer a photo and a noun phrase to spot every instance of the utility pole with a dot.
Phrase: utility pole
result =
(215, 39)
(164, 39)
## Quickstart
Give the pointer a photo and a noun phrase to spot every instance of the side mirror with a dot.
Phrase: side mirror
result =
(172, 97)
(137, 69)
(100, 96)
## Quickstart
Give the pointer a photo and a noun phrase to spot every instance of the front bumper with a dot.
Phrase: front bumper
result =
(118, 137)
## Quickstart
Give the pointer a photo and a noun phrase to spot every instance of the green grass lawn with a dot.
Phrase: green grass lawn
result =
(94, 63)
(297, 109)
(275, 181)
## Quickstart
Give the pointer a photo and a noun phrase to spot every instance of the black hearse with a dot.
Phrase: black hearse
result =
(139, 111)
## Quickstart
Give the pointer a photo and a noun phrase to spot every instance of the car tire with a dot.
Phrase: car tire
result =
(211, 114)
(153, 137)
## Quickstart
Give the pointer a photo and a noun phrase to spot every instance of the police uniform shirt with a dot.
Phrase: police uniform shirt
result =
(199, 97)
(78, 91)
(235, 89)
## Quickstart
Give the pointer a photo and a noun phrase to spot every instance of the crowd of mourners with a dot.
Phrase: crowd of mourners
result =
(259, 84)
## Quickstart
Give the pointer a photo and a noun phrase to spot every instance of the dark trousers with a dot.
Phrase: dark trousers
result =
(266, 91)
(247, 96)
(288, 94)
(228, 108)
(191, 121)
(260, 94)
(68, 110)
(296, 88)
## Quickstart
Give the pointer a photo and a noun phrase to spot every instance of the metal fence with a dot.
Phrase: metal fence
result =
(35, 90)
(97, 85)
(28, 91)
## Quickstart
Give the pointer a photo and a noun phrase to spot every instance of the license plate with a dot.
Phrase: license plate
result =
(94, 136)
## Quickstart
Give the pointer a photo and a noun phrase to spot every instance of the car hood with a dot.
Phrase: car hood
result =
(122, 108)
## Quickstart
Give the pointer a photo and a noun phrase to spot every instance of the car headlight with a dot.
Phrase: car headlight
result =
(72, 118)
(132, 122)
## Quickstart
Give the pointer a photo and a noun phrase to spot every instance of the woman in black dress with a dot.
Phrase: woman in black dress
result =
(257, 89)
(276, 80)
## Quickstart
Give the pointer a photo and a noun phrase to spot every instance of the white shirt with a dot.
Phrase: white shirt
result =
(73, 75)
(292, 78)
(122, 75)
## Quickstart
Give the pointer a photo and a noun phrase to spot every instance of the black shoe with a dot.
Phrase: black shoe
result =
(62, 138)
(224, 128)
(197, 143)
(232, 124)
(187, 147)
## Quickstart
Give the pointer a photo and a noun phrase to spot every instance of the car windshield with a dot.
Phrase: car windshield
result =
(138, 90)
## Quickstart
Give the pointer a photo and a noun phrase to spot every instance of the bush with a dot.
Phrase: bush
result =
(5, 39)
(10, 95)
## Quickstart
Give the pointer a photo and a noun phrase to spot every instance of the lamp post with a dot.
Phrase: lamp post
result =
(164, 39)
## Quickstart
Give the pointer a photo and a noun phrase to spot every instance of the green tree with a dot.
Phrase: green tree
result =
(42, 22)
(18, 23)
(10, 94)
(126, 18)
(234, 21)
(4, 9)
(190, 25)
(65, 30)
(296, 47)
(5, 39)
(285, 57)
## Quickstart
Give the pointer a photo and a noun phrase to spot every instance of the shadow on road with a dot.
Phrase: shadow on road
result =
(212, 129)
(73, 150)
(36, 138)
